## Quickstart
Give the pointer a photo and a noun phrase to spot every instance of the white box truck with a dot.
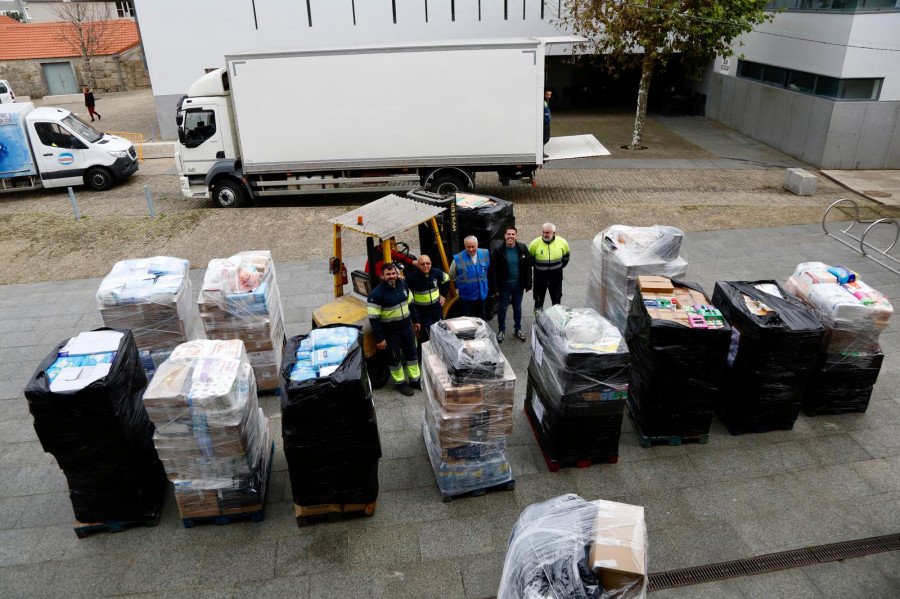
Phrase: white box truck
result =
(51, 147)
(378, 117)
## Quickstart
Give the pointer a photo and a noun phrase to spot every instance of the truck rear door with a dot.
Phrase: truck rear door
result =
(60, 154)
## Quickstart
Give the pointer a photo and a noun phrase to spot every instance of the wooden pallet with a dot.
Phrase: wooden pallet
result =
(507, 486)
(334, 512)
(672, 440)
(555, 465)
(85, 529)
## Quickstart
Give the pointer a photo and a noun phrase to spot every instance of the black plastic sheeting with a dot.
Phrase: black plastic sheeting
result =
(487, 222)
(842, 383)
(772, 357)
(102, 438)
(676, 372)
(330, 431)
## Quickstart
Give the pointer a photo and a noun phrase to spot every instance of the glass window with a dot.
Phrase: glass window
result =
(199, 126)
(858, 89)
(82, 128)
(750, 70)
(774, 75)
(799, 81)
(54, 136)
(3, 89)
(124, 9)
(827, 86)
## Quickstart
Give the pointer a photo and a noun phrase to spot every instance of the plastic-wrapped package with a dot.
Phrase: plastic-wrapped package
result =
(98, 431)
(211, 434)
(577, 385)
(679, 354)
(466, 426)
(153, 298)
(329, 427)
(854, 315)
(619, 254)
(775, 342)
(240, 300)
(570, 548)
(469, 348)
(485, 217)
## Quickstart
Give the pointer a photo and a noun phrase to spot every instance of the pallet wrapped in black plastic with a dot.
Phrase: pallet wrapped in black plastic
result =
(676, 370)
(469, 348)
(101, 438)
(775, 343)
(485, 217)
(330, 430)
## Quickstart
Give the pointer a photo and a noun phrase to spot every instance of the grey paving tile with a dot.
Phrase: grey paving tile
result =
(164, 569)
(786, 583)
(707, 541)
(879, 442)
(667, 473)
(279, 588)
(239, 561)
(16, 546)
(384, 545)
(34, 480)
(481, 575)
(777, 531)
(94, 576)
(881, 474)
(342, 586)
(422, 581)
(24, 581)
(45, 510)
(837, 449)
(316, 551)
(724, 589)
(852, 578)
(455, 538)
(421, 504)
(10, 510)
(833, 484)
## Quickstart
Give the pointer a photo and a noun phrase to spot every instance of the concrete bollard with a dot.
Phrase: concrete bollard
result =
(800, 182)
(74, 204)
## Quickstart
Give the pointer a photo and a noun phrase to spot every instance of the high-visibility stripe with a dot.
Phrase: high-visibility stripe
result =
(412, 368)
(426, 298)
(397, 374)
(389, 313)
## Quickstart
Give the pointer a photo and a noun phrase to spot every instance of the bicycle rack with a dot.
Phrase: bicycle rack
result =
(861, 244)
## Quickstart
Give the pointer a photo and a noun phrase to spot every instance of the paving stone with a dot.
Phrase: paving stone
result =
(422, 581)
(313, 552)
(454, 538)
(786, 583)
(384, 545)
(279, 588)
(852, 578)
(481, 575)
(239, 561)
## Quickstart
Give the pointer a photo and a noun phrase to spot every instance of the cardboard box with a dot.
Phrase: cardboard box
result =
(499, 392)
(655, 284)
(618, 552)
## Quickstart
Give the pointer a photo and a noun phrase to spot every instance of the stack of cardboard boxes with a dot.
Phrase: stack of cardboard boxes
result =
(240, 300)
(679, 349)
(469, 390)
(211, 434)
(153, 298)
(854, 315)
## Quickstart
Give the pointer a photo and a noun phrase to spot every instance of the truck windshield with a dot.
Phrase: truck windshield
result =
(88, 133)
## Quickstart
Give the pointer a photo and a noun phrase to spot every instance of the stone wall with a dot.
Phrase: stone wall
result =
(111, 73)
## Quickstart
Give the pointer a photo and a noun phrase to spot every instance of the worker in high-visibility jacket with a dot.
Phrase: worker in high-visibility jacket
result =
(429, 287)
(395, 322)
(470, 271)
(549, 254)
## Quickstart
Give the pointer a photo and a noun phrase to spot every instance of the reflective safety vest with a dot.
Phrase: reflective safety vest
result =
(427, 290)
(389, 309)
(472, 278)
(549, 256)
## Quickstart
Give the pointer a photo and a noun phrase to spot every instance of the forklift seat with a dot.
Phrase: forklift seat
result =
(361, 283)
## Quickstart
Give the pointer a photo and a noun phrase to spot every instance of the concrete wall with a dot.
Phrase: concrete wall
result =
(820, 132)
(27, 76)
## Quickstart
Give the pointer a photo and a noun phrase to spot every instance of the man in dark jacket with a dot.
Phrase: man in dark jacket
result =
(510, 278)
(429, 287)
(394, 321)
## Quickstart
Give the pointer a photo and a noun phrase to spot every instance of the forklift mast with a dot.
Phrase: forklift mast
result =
(448, 224)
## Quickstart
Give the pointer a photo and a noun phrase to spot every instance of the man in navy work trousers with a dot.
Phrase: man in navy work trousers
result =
(395, 321)
(429, 287)
(510, 278)
(470, 269)
(549, 254)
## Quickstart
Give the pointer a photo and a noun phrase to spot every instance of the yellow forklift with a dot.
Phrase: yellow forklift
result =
(381, 222)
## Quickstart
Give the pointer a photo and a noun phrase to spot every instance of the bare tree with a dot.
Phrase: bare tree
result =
(84, 28)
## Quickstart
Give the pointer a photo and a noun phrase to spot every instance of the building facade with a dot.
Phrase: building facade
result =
(43, 11)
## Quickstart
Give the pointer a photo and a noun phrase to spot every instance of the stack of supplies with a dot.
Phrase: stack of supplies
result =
(775, 342)
(152, 297)
(577, 385)
(485, 217)
(854, 315)
(211, 434)
(468, 407)
(329, 428)
(86, 401)
(679, 352)
(577, 549)
(619, 254)
(240, 300)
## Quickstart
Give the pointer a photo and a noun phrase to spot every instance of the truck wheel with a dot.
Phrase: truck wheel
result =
(447, 183)
(229, 194)
(98, 179)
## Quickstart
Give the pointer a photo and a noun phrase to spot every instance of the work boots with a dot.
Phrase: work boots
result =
(405, 390)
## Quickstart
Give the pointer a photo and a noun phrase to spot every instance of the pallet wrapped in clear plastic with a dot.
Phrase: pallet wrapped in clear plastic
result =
(469, 348)
(775, 343)
(240, 300)
(459, 476)
(854, 315)
(679, 346)
(329, 426)
(577, 385)
(619, 254)
(211, 434)
(577, 549)
(153, 298)
(85, 398)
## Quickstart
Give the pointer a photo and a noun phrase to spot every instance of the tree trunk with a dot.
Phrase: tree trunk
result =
(643, 89)
(88, 71)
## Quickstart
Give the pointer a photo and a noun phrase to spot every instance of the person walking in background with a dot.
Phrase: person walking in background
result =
(395, 322)
(429, 287)
(510, 278)
(89, 102)
(470, 269)
(547, 95)
(549, 254)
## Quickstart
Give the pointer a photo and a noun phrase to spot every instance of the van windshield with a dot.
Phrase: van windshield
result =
(82, 129)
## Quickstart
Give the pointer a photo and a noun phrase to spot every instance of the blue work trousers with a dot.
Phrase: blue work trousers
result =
(511, 295)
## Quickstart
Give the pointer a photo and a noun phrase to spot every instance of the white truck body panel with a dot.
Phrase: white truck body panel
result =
(480, 103)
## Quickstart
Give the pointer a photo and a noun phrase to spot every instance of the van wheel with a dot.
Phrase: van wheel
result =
(447, 183)
(98, 179)
(229, 194)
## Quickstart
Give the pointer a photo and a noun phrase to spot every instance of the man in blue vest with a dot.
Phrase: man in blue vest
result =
(395, 321)
(549, 254)
(429, 287)
(470, 270)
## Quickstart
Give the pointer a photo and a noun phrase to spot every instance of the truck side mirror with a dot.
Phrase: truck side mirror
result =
(179, 118)
(181, 136)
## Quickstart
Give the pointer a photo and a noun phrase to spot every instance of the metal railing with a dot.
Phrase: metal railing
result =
(136, 139)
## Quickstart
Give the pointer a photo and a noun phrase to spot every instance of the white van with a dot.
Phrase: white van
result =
(6, 93)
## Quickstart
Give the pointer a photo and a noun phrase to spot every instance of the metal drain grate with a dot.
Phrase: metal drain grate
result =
(773, 562)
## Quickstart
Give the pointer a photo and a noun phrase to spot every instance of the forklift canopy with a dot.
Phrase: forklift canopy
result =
(387, 217)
